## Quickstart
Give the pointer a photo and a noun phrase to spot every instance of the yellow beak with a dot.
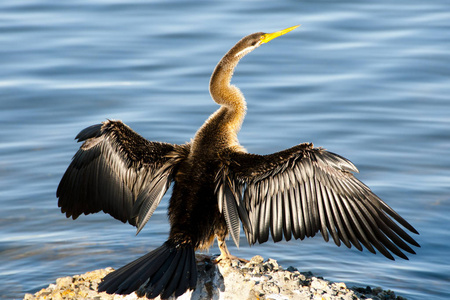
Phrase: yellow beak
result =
(270, 36)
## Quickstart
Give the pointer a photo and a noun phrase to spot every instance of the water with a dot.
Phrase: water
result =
(369, 81)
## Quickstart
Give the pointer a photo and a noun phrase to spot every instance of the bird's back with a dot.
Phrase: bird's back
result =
(193, 210)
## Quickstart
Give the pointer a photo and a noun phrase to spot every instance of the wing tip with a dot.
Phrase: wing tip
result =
(89, 132)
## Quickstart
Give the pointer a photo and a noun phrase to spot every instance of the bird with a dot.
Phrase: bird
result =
(217, 185)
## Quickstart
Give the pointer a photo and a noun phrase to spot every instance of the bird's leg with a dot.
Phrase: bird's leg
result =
(225, 254)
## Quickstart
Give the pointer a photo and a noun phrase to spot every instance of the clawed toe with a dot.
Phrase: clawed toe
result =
(223, 258)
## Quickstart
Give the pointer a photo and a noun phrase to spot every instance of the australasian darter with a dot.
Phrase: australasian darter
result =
(294, 193)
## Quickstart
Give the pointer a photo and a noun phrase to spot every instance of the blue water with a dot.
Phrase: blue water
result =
(367, 80)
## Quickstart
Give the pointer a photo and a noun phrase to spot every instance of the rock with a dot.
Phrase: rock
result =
(227, 280)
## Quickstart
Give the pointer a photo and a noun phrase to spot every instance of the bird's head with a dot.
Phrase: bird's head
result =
(254, 40)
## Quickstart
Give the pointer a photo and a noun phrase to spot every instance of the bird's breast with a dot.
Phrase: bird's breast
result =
(217, 133)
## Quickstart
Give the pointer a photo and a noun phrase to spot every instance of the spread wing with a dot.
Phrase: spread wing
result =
(118, 172)
(301, 191)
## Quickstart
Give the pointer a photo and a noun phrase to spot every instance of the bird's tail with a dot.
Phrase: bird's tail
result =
(168, 270)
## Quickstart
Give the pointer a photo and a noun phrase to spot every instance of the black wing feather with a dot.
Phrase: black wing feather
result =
(112, 169)
(231, 214)
(303, 190)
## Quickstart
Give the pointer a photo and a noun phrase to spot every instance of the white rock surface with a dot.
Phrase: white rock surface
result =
(229, 280)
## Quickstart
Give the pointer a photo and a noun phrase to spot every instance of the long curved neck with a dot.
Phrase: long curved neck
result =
(228, 96)
(221, 129)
